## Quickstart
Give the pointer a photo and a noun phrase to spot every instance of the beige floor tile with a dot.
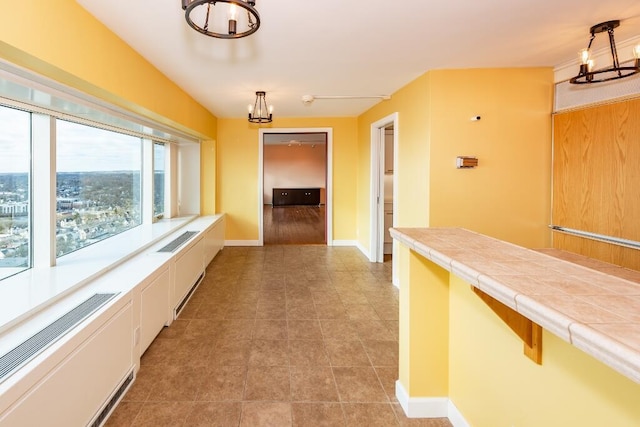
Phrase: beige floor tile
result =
(271, 329)
(269, 353)
(162, 414)
(338, 330)
(418, 422)
(347, 353)
(317, 415)
(268, 383)
(214, 414)
(382, 353)
(359, 384)
(388, 377)
(124, 414)
(266, 414)
(222, 383)
(313, 384)
(308, 352)
(256, 346)
(230, 352)
(304, 329)
(370, 414)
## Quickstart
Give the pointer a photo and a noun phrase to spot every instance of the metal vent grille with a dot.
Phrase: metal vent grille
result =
(186, 298)
(569, 96)
(50, 334)
(178, 241)
(113, 401)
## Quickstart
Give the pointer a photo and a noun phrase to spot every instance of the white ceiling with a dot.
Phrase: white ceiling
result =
(355, 47)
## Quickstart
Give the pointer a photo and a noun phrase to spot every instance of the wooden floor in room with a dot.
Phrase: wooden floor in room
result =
(294, 225)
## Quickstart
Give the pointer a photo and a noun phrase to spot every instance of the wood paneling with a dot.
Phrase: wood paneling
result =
(596, 179)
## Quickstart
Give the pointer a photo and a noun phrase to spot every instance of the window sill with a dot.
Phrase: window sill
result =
(30, 291)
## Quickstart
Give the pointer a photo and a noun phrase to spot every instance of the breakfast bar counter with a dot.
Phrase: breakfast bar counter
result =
(529, 291)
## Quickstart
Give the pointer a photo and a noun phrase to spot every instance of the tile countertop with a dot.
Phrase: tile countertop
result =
(595, 311)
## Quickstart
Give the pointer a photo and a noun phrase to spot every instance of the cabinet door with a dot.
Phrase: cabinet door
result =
(281, 196)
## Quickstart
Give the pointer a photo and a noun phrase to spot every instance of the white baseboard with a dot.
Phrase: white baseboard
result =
(364, 251)
(455, 417)
(242, 243)
(429, 407)
(395, 281)
(344, 243)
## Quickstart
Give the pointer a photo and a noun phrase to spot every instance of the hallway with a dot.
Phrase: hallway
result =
(297, 225)
(277, 336)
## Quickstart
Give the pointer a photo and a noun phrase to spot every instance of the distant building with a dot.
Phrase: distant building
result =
(14, 209)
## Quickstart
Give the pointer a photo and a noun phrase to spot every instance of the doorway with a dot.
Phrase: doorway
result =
(384, 190)
(295, 186)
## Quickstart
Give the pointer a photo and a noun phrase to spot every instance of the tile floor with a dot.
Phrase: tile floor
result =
(277, 336)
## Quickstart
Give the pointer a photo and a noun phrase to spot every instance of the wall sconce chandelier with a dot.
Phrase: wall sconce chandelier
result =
(588, 75)
(259, 112)
(221, 18)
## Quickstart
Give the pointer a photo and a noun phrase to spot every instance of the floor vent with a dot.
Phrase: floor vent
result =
(102, 416)
(186, 298)
(178, 241)
(50, 334)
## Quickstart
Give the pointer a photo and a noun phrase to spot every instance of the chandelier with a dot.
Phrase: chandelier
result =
(259, 112)
(222, 18)
(615, 71)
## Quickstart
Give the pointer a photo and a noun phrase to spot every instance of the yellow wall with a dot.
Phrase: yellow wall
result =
(508, 195)
(492, 383)
(412, 105)
(61, 40)
(237, 174)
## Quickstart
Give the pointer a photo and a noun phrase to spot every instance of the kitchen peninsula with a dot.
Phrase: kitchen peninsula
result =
(493, 334)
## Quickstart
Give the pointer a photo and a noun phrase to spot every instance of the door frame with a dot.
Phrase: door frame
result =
(376, 247)
(329, 177)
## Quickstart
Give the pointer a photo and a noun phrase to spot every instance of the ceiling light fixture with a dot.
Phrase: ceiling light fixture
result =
(259, 112)
(588, 75)
(221, 18)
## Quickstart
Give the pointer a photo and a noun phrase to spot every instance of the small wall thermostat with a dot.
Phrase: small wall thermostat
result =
(466, 162)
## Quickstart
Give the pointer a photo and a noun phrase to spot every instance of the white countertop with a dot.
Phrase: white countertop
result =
(596, 312)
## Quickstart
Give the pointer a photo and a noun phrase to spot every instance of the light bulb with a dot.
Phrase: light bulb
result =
(250, 108)
(585, 56)
(233, 11)
(636, 51)
(270, 109)
(590, 64)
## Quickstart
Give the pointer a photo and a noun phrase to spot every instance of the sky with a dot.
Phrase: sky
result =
(79, 148)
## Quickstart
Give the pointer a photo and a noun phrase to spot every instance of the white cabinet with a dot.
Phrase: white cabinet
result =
(213, 241)
(189, 267)
(155, 312)
(74, 391)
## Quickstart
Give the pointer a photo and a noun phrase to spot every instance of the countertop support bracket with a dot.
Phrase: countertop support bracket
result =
(529, 332)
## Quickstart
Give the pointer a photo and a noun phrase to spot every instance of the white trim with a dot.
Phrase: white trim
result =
(344, 243)
(329, 176)
(364, 250)
(421, 407)
(376, 214)
(395, 280)
(242, 243)
(455, 416)
(43, 190)
(429, 407)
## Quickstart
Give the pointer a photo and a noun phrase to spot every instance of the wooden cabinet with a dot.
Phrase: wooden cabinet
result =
(296, 196)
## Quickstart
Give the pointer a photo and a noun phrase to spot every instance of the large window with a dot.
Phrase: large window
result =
(15, 194)
(159, 165)
(98, 187)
